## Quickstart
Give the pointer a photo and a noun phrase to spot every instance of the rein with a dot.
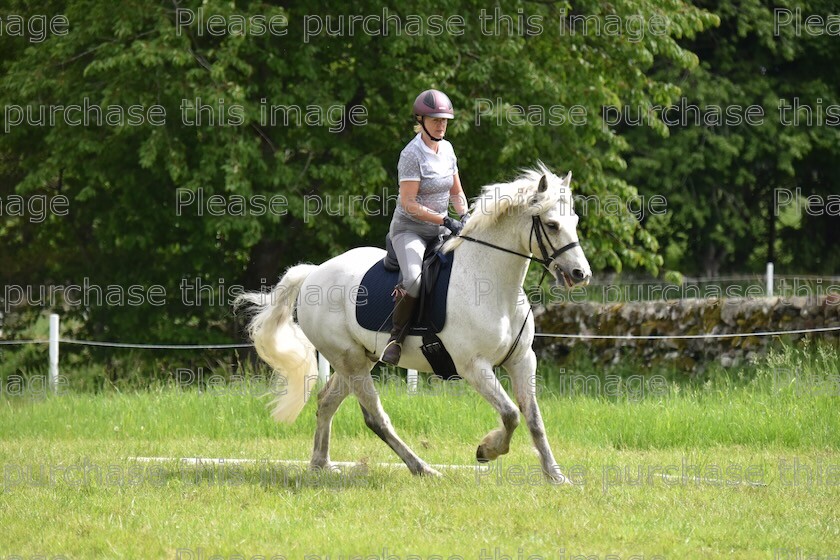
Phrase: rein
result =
(538, 229)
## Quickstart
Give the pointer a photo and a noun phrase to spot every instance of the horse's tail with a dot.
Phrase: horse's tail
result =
(281, 342)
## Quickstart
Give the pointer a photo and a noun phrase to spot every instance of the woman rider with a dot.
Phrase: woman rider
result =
(429, 181)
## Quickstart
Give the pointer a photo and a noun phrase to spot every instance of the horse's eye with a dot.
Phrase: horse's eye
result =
(554, 226)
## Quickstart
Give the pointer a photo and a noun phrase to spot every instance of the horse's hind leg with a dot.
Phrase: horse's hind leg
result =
(523, 381)
(497, 441)
(329, 399)
(377, 420)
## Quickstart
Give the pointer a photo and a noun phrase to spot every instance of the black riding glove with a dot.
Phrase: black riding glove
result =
(453, 225)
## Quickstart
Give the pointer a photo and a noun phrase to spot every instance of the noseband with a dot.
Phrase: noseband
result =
(538, 230)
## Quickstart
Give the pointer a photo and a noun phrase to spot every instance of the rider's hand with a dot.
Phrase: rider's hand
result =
(453, 225)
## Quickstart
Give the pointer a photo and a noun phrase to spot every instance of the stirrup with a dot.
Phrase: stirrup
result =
(387, 346)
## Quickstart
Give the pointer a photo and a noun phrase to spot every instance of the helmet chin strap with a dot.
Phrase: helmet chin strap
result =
(422, 121)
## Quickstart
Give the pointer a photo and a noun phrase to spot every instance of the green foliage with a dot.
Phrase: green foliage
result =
(124, 227)
(720, 180)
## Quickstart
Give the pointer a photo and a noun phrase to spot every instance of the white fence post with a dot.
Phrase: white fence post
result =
(54, 352)
(769, 279)
(411, 380)
(323, 369)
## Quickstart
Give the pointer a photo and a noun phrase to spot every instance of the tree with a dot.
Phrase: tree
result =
(726, 179)
(315, 109)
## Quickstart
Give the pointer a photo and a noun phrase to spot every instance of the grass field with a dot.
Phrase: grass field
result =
(752, 465)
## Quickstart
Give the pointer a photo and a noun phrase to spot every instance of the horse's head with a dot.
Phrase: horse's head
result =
(537, 207)
(553, 236)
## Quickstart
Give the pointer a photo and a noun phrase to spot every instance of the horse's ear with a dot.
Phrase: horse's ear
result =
(568, 178)
(543, 184)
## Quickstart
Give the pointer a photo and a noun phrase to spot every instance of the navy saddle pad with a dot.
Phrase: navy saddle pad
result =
(374, 303)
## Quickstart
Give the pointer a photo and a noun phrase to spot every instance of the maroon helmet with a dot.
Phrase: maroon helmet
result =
(433, 103)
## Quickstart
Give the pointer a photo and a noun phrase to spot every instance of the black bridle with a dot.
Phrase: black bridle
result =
(538, 230)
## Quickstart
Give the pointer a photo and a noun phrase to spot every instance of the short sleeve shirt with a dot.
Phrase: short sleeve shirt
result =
(435, 171)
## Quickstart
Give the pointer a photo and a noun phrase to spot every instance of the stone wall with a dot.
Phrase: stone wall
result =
(684, 317)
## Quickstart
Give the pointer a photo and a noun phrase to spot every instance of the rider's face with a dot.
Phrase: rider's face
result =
(437, 126)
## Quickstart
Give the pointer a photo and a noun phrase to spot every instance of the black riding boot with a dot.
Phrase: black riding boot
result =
(403, 311)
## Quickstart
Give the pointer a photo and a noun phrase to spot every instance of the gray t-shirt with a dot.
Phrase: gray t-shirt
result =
(435, 171)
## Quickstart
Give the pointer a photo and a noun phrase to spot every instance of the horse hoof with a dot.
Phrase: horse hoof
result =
(426, 470)
(481, 455)
(558, 480)
(324, 468)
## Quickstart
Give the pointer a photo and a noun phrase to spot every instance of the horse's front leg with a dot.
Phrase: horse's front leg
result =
(483, 379)
(523, 381)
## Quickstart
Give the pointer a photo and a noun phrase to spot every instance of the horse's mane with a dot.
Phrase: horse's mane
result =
(499, 199)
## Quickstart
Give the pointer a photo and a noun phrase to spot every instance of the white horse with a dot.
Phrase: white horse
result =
(488, 319)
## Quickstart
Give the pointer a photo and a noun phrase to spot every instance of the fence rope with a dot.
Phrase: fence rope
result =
(543, 335)
(685, 336)
(153, 346)
(128, 344)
